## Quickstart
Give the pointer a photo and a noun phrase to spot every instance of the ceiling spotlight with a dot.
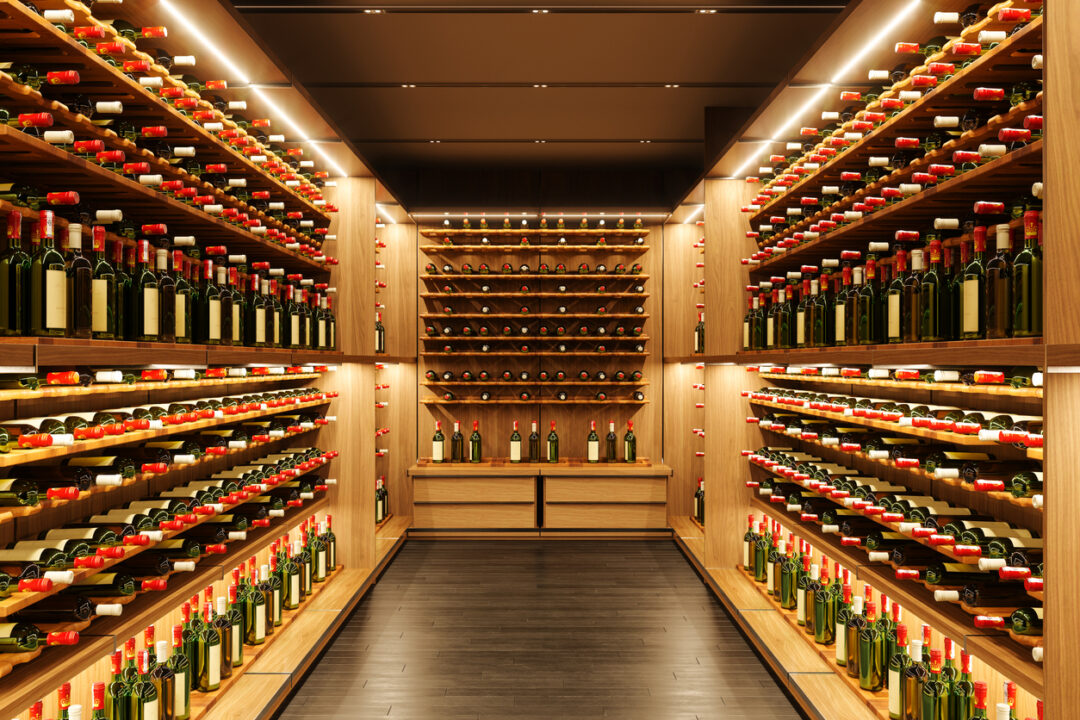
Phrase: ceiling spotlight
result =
(707, 11)
(540, 12)
(539, 85)
(671, 85)
(435, 141)
(372, 11)
(540, 141)
(644, 141)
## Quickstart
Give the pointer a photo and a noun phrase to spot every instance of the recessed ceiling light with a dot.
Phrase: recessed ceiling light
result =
(707, 11)
(539, 85)
(540, 12)
(644, 141)
(372, 11)
(434, 141)
(539, 141)
(671, 85)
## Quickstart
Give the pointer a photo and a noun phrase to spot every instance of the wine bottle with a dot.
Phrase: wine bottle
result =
(80, 275)
(48, 281)
(856, 623)
(552, 445)
(999, 303)
(145, 296)
(14, 280)
(898, 664)
(209, 653)
(534, 444)
(438, 444)
(611, 440)
(225, 297)
(593, 443)
(380, 335)
(629, 443)
(934, 306)
(1027, 292)
(973, 290)
(475, 450)
(515, 444)
(380, 506)
(183, 293)
(699, 335)
(164, 682)
(457, 444)
(935, 691)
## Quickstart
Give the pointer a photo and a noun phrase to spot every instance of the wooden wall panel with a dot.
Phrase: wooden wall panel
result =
(354, 278)
(492, 516)
(608, 516)
(1062, 206)
(680, 296)
(726, 494)
(725, 278)
(352, 499)
(680, 418)
(401, 417)
(399, 296)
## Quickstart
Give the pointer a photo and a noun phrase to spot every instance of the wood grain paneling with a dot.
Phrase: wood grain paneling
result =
(472, 490)
(354, 246)
(400, 417)
(1062, 560)
(725, 278)
(726, 494)
(609, 490)
(680, 443)
(399, 295)
(490, 516)
(680, 296)
(606, 515)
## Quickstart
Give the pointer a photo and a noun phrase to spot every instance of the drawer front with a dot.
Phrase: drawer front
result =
(474, 516)
(611, 516)
(474, 490)
(605, 489)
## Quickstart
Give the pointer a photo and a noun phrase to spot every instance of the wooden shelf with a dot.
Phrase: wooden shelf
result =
(494, 402)
(58, 665)
(565, 467)
(530, 383)
(98, 497)
(48, 392)
(963, 353)
(30, 455)
(20, 600)
(936, 435)
(998, 65)
(111, 84)
(855, 383)
(533, 232)
(1002, 177)
(1006, 656)
(19, 98)
(533, 316)
(434, 277)
(24, 157)
(534, 338)
(526, 296)
(925, 477)
(70, 352)
(530, 354)
(549, 248)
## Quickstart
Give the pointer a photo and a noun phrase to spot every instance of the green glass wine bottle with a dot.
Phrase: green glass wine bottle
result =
(972, 314)
(48, 282)
(475, 449)
(998, 302)
(1027, 280)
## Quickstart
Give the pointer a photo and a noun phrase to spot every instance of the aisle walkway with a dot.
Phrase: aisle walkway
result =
(539, 630)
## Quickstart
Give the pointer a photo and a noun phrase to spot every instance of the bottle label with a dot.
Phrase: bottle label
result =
(214, 309)
(99, 305)
(970, 306)
(236, 323)
(180, 708)
(214, 663)
(150, 311)
(894, 315)
(800, 327)
(260, 325)
(594, 451)
(150, 709)
(322, 333)
(894, 693)
(515, 451)
(237, 646)
(277, 327)
(181, 315)
(841, 643)
(55, 299)
(437, 451)
(769, 339)
(745, 335)
(800, 598)
(294, 329)
(841, 331)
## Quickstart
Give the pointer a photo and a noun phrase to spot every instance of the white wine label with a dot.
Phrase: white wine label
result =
(746, 554)
(181, 315)
(260, 622)
(150, 709)
(841, 331)
(99, 305)
(214, 663)
(260, 325)
(515, 451)
(294, 329)
(214, 331)
(769, 333)
(894, 694)
(800, 327)
(594, 451)
(841, 643)
(970, 306)
(322, 333)
(150, 311)
(236, 323)
(55, 299)
(894, 315)
(180, 708)
(745, 336)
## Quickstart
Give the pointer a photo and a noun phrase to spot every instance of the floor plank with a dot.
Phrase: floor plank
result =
(462, 629)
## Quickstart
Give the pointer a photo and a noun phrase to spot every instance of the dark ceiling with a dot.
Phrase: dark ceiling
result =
(467, 128)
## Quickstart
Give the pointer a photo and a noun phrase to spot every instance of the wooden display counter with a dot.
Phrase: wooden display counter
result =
(499, 498)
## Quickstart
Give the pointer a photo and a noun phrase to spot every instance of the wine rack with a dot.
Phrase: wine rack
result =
(541, 314)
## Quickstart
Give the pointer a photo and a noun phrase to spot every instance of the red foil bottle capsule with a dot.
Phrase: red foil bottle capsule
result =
(155, 131)
(133, 66)
(62, 77)
(989, 94)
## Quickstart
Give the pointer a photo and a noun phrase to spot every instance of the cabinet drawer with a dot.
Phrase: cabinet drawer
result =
(605, 489)
(474, 490)
(611, 516)
(472, 516)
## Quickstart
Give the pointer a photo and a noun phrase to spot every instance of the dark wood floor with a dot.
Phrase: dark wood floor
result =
(539, 630)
